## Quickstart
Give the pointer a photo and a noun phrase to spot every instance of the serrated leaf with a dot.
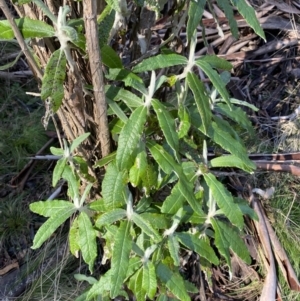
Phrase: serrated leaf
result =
(105, 23)
(120, 257)
(227, 237)
(228, 10)
(198, 245)
(201, 99)
(48, 208)
(217, 62)
(136, 285)
(224, 200)
(195, 12)
(77, 141)
(98, 205)
(173, 246)
(110, 217)
(53, 79)
(149, 283)
(236, 114)
(49, 227)
(73, 182)
(215, 79)
(129, 137)
(160, 61)
(227, 142)
(248, 13)
(113, 187)
(167, 125)
(173, 202)
(58, 170)
(138, 169)
(28, 27)
(158, 221)
(87, 240)
(165, 160)
(120, 94)
(74, 238)
(110, 57)
(228, 161)
(243, 103)
(145, 226)
(149, 179)
(173, 282)
(185, 122)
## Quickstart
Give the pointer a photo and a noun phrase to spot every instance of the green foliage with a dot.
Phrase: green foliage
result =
(153, 188)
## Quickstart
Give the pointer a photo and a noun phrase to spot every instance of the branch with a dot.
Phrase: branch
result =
(93, 51)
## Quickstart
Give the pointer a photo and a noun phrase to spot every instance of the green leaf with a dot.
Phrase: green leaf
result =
(198, 245)
(227, 142)
(136, 285)
(165, 160)
(120, 94)
(228, 237)
(167, 125)
(228, 10)
(248, 13)
(224, 200)
(105, 23)
(138, 169)
(110, 217)
(56, 151)
(215, 78)
(149, 179)
(81, 277)
(158, 221)
(113, 187)
(87, 240)
(49, 227)
(217, 62)
(173, 282)
(160, 61)
(49, 208)
(28, 27)
(228, 161)
(195, 12)
(58, 170)
(236, 114)
(173, 202)
(77, 141)
(98, 206)
(173, 246)
(145, 226)
(110, 57)
(185, 122)
(149, 283)
(129, 137)
(105, 160)
(73, 182)
(74, 238)
(53, 79)
(120, 258)
(243, 103)
(117, 110)
(201, 99)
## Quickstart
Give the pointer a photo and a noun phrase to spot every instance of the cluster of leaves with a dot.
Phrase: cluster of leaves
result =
(158, 153)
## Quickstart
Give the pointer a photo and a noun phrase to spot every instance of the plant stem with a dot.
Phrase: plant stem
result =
(93, 50)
